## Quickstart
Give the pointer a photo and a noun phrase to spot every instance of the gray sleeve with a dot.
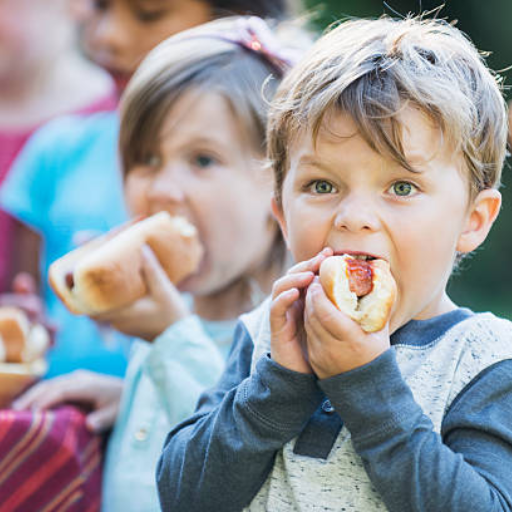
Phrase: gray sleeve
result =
(219, 458)
(467, 467)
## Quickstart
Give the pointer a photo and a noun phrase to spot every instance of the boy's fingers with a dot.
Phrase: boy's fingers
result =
(313, 264)
(290, 281)
(279, 309)
(324, 316)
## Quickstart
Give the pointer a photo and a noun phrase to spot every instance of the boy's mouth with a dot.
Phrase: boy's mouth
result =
(361, 256)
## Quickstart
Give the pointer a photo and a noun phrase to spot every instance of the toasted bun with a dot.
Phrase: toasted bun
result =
(22, 349)
(371, 311)
(106, 272)
(14, 329)
(20, 340)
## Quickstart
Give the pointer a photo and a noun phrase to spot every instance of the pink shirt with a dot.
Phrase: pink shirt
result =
(11, 144)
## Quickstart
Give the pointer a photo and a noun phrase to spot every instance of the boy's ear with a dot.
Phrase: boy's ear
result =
(482, 215)
(277, 211)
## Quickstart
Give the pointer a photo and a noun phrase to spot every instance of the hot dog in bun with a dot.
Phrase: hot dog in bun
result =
(105, 274)
(363, 289)
(23, 345)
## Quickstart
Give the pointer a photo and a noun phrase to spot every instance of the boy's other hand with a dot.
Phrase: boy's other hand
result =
(102, 393)
(286, 314)
(152, 314)
(336, 343)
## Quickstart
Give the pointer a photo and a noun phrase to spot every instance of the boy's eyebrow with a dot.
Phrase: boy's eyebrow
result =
(310, 161)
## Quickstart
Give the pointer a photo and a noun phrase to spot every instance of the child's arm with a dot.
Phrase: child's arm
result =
(182, 363)
(99, 393)
(467, 467)
(219, 458)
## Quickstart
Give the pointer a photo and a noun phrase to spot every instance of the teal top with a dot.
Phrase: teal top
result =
(162, 384)
(66, 185)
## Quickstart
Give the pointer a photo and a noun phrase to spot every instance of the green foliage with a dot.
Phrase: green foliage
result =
(485, 280)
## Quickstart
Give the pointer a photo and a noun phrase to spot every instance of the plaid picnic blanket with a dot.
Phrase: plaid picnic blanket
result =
(49, 462)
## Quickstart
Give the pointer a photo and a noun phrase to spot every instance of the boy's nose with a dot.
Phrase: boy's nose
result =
(355, 214)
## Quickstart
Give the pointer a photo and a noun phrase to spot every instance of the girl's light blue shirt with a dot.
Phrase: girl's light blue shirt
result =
(66, 185)
(163, 382)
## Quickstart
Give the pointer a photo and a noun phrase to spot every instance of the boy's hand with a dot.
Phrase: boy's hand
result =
(151, 315)
(286, 314)
(102, 393)
(335, 342)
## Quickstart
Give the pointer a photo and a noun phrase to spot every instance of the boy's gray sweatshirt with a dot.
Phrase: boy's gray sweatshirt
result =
(427, 426)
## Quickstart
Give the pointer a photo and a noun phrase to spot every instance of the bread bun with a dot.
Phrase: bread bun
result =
(364, 290)
(105, 274)
(20, 340)
(22, 353)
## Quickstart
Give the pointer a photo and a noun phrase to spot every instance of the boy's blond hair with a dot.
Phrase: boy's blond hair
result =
(372, 69)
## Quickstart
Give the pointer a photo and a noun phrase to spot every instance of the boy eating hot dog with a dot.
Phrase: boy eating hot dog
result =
(387, 143)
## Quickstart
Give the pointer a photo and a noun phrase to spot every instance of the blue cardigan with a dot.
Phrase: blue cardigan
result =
(270, 438)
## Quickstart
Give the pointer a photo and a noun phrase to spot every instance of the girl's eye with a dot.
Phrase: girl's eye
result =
(152, 160)
(204, 161)
(403, 189)
(322, 187)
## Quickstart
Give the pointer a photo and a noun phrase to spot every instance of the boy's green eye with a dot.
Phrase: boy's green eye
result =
(204, 161)
(322, 187)
(403, 188)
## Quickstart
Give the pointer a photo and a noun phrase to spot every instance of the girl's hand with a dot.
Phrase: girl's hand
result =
(151, 315)
(286, 314)
(102, 393)
(335, 342)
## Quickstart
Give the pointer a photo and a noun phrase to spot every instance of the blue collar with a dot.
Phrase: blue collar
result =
(419, 333)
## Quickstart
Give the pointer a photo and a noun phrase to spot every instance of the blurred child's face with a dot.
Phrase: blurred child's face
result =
(209, 172)
(117, 34)
(29, 30)
(342, 194)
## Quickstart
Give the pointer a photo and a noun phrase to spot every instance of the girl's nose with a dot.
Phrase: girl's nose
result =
(167, 190)
(356, 213)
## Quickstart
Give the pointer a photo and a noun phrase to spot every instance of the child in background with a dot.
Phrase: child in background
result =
(42, 74)
(66, 186)
(388, 142)
(192, 142)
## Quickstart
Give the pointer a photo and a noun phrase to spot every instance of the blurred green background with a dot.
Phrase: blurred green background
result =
(484, 281)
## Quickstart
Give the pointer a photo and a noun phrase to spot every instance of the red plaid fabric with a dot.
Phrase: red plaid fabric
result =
(49, 462)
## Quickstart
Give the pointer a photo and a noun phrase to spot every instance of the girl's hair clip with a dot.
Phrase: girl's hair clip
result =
(255, 35)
